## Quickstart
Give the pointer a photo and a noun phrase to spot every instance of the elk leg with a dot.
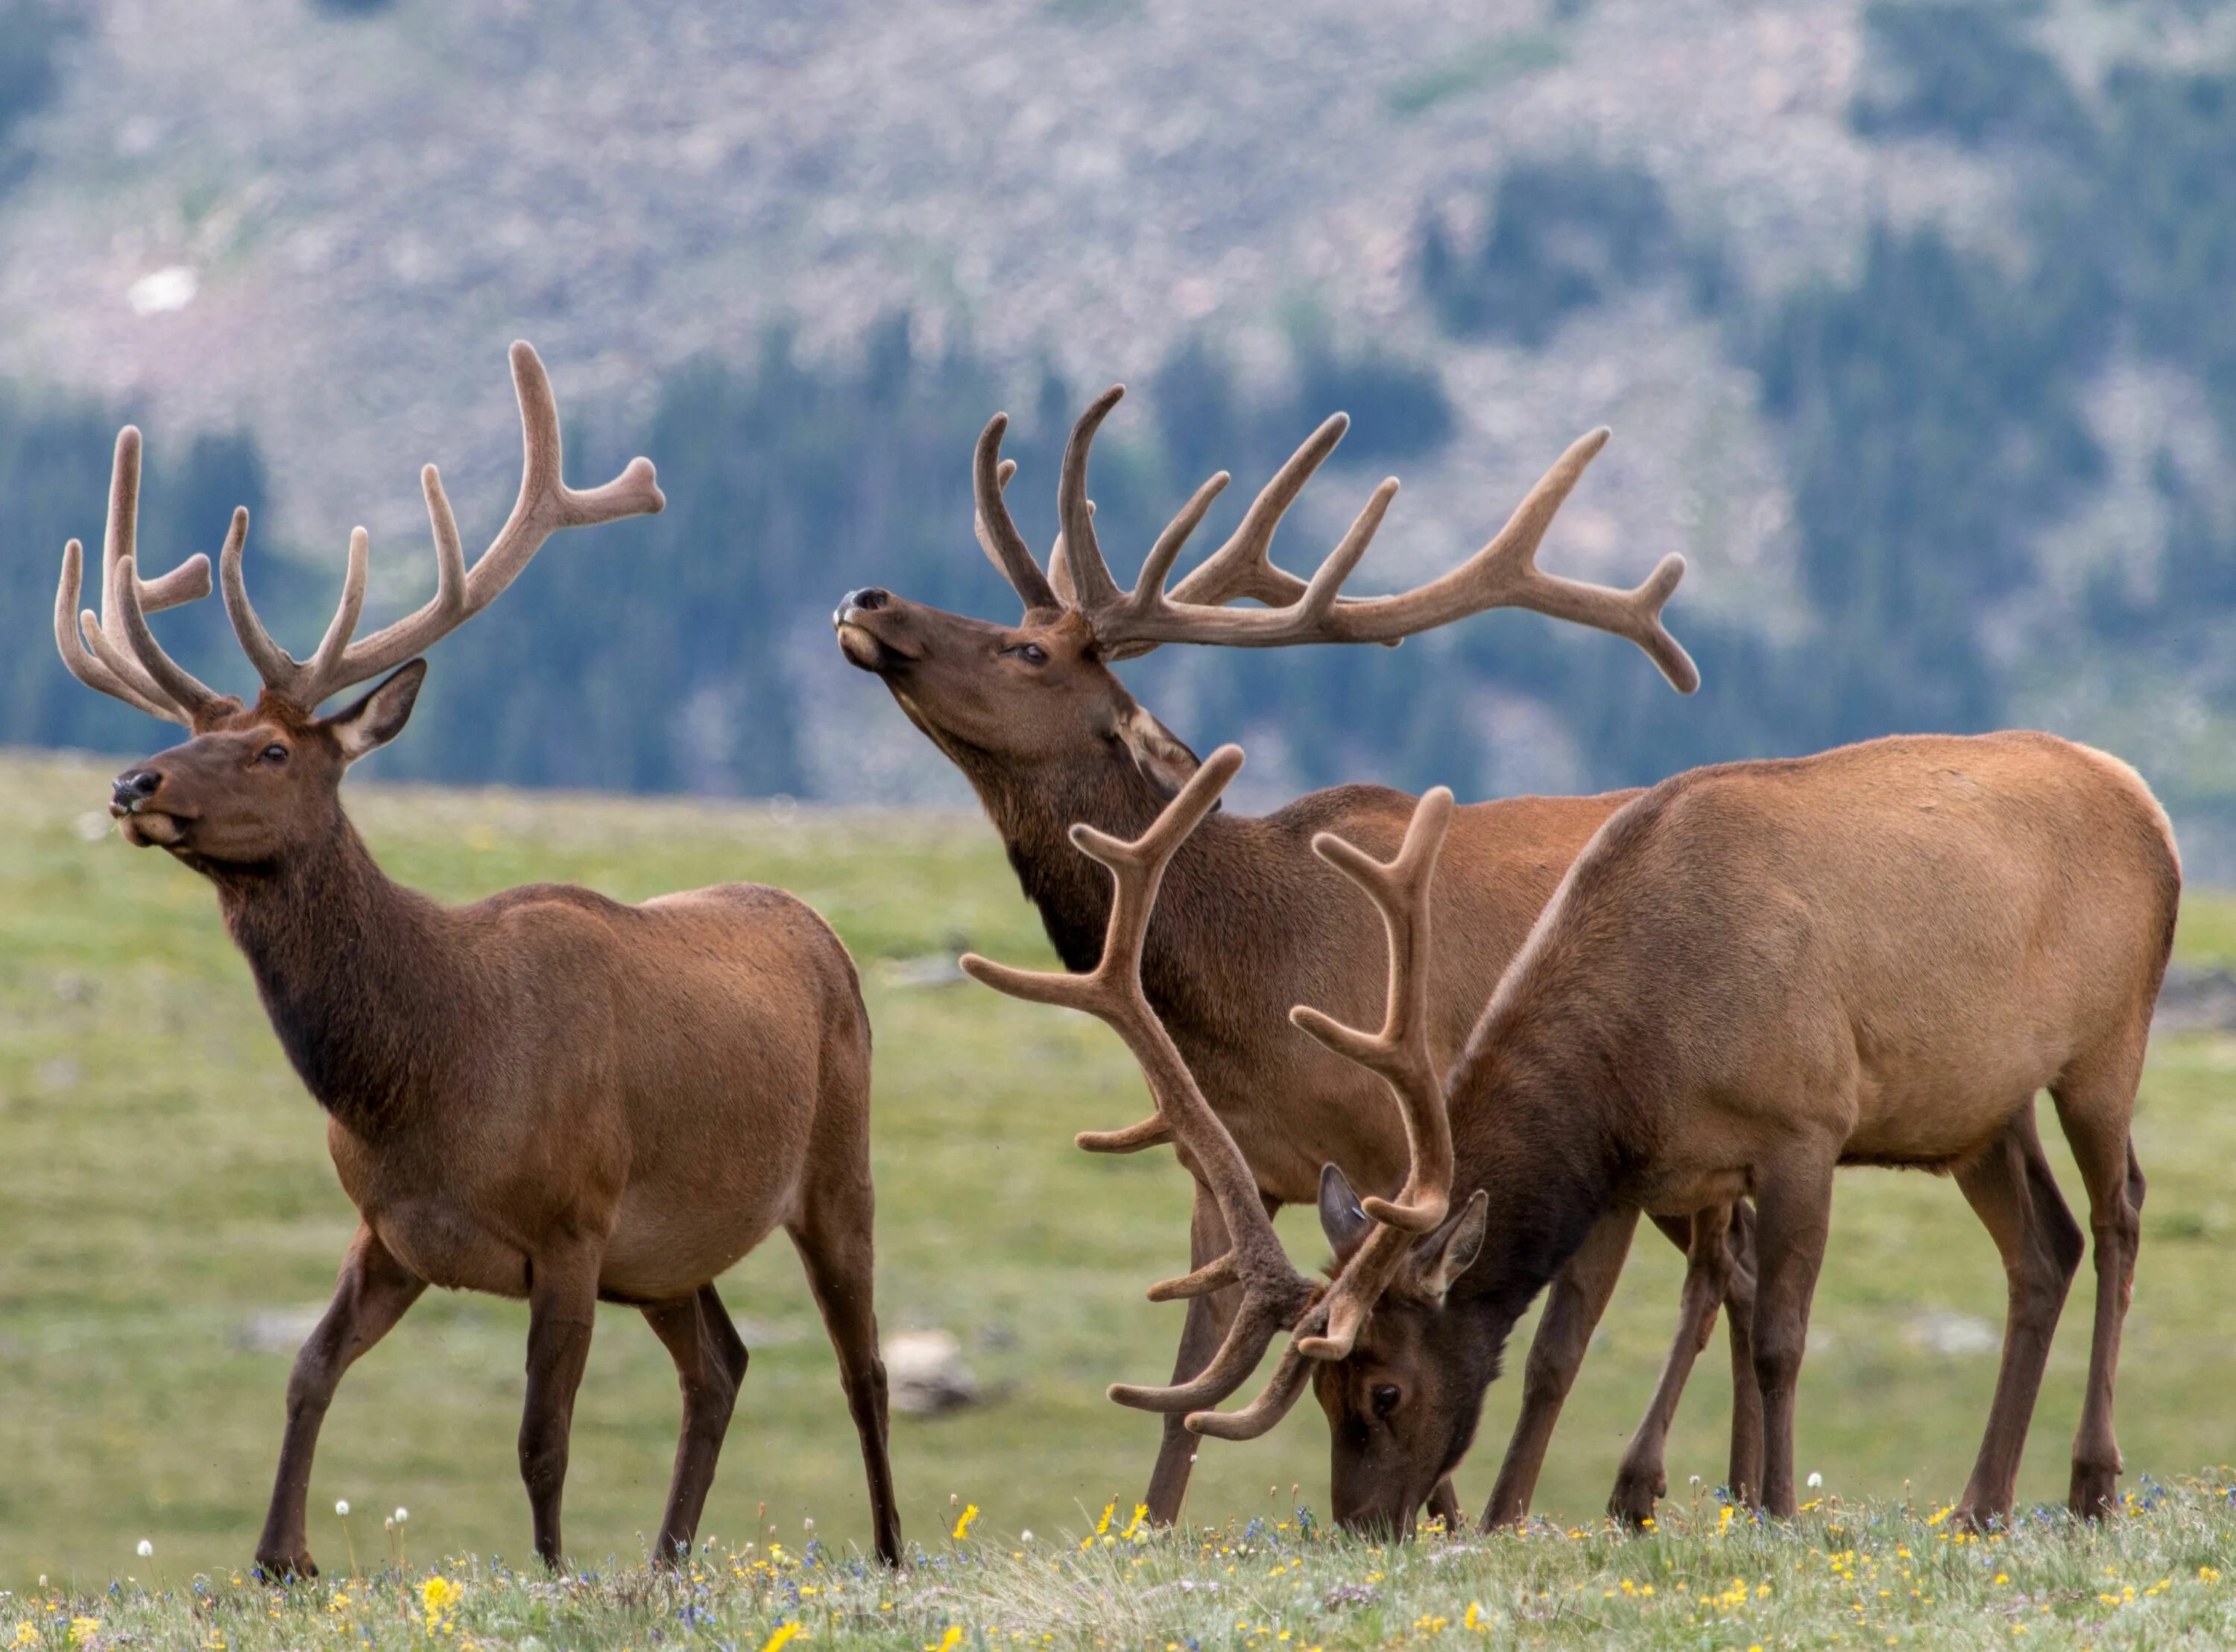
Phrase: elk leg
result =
(1643, 1476)
(2094, 1110)
(710, 1367)
(372, 1292)
(562, 1304)
(1573, 1306)
(835, 1247)
(2011, 1190)
(1201, 1335)
(1444, 1505)
(1792, 1213)
(1745, 1482)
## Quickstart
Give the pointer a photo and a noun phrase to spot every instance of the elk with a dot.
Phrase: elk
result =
(546, 1094)
(1047, 734)
(1756, 973)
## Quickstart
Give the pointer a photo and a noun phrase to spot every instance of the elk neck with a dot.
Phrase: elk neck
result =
(1033, 806)
(1547, 1137)
(357, 974)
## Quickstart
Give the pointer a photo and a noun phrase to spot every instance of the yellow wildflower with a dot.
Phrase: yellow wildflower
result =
(775, 1642)
(82, 1630)
(27, 1633)
(947, 1641)
(962, 1525)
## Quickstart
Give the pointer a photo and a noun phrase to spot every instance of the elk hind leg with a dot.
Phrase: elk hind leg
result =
(1201, 1332)
(2096, 1103)
(837, 1250)
(1573, 1306)
(1643, 1476)
(2010, 1187)
(372, 1292)
(710, 1368)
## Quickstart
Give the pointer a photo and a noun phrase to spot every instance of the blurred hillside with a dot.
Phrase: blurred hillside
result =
(1910, 319)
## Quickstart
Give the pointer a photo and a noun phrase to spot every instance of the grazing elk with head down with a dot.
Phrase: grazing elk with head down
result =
(1754, 975)
(546, 1094)
(1037, 720)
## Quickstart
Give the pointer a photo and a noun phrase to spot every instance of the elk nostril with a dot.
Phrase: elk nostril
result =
(131, 788)
(869, 599)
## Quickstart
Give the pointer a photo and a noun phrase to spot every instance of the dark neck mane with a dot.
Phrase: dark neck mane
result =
(355, 973)
(1550, 1155)
(1192, 966)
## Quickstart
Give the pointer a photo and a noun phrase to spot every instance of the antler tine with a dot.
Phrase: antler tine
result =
(545, 505)
(99, 650)
(1274, 1293)
(1243, 566)
(1092, 586)
(1400, 1055)
(997, 531)
(1503, 574)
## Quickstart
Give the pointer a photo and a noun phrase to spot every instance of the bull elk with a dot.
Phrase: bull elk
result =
(546, 1094)
(1047, 734)
(1756, 973)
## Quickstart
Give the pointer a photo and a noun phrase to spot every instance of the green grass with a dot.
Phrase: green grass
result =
(163, 1179)
(1871, 1575)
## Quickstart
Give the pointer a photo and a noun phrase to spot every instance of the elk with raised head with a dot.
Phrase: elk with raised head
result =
(1754, 975)
(546, 1094)
(1040, 724)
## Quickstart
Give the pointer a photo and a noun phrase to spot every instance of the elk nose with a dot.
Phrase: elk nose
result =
(868, 599)
(133, 788)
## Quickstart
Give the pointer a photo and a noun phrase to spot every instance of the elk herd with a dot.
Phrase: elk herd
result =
(1482, 1039)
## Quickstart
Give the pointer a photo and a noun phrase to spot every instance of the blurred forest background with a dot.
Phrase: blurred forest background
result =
(1912, 318)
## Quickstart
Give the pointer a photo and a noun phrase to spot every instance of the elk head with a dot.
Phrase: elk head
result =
(1000, 699)
(1400, 1377)
(256, 783)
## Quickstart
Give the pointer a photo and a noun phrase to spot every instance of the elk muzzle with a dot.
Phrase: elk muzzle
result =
(870, 624)
(132, 800)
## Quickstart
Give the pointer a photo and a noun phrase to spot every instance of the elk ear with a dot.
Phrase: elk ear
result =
(1451, 1250)
(379, 717)
(1158, 753)
(1341, 1219)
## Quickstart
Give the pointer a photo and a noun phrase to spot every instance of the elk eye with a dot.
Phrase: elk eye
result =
(1031, 652)
(273, 753)
(1385, 1399)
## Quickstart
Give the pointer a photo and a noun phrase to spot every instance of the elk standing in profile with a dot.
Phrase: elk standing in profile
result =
(1039, 723)
(546, 1094)
(1755, 974)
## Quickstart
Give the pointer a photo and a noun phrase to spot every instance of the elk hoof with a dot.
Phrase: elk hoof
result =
(1978, 1522)
(2095, 1492)
(1634, 1497)
(277, 1568)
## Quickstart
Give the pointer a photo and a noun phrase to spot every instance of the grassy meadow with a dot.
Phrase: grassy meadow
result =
(165, 1200)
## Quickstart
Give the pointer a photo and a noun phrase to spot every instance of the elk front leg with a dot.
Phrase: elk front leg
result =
(1792, 1213)
(710, 1367)
(563, 1305)
(373, 1293)
(1201, 1335)
(1572, 1308)
(1643, 1476)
